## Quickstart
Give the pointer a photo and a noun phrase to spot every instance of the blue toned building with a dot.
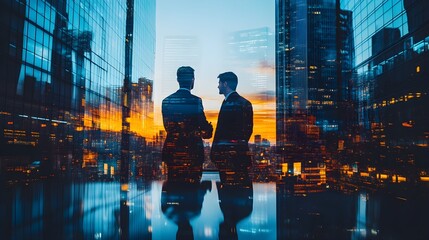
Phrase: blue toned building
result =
(63, 64)
(307, 73)
(390, 84)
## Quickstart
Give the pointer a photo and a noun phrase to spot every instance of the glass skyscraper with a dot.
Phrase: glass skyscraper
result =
(390, 87)
(306, 73)
(63, 65)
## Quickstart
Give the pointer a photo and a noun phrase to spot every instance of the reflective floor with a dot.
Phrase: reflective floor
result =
(162, 210)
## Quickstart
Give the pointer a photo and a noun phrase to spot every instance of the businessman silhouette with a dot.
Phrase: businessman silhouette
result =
(230, 150)
(186, 125)
(181, 202)
(236, 204)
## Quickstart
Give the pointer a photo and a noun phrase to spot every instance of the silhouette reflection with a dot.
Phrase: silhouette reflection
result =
(181, 202)
(235, 201)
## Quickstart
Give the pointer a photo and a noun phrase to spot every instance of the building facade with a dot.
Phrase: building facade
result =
(391, 40)
(64, 65)
(307, 71)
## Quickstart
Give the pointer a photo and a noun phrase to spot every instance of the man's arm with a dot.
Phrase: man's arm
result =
(205, 127)
(247, 120)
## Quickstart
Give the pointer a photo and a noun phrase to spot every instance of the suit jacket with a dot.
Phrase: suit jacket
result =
(186, 125)
(233, 131)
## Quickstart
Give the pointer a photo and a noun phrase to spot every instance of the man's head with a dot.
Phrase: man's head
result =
(227, 82)
(185, 77)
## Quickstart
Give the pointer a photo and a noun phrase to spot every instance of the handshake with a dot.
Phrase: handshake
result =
(207, 131)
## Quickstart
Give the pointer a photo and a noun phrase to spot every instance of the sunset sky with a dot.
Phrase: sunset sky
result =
(210, 22)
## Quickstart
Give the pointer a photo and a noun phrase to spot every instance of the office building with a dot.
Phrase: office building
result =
(307, 71)
(390, 91)
(64, 65)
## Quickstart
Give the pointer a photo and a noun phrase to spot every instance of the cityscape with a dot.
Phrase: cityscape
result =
(339, 148)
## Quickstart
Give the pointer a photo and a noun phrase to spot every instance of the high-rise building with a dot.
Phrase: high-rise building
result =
(306, 73)
(389, 87)
(64, 64)
(347, 116)
(142, 108)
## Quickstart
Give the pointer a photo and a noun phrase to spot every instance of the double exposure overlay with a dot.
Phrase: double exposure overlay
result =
(244, 119)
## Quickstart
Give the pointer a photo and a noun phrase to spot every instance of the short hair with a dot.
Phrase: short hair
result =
(185, 74)
(230, 78)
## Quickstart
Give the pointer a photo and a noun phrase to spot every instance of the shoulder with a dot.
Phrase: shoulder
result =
(169, 97)
(194, 96)
(241, 99)
(191, 98)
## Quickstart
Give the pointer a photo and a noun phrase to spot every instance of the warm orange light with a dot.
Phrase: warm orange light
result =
(402, 179)
(89, 158)
(424, 179)
(296, 168)
(422, 144)
(284, 168)
(382, 176)
(124, 187)
(105, 168)
(407, 124)
(364, 174)
(418, 69)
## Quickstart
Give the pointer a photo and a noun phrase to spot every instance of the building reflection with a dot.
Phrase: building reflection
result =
(388, 142)
(153, 210)
(61, 107)
(360, 121)
(219, 211)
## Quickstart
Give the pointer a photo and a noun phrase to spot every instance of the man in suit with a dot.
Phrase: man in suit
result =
(186, 125)
(230, 150)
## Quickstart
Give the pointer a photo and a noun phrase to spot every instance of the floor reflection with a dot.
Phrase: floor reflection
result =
(206, 210)
(181, 202)
(211, 210)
